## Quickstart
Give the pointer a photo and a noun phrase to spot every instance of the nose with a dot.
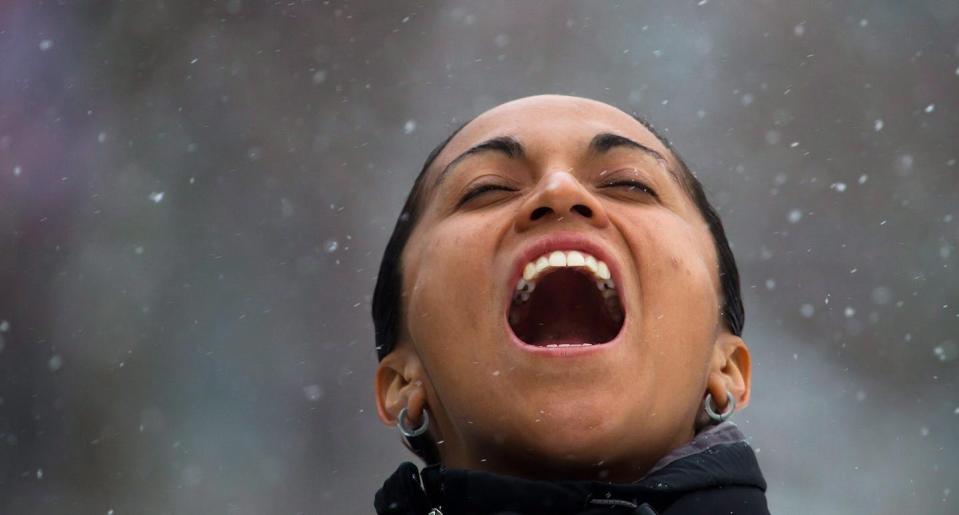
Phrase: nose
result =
(560, 196)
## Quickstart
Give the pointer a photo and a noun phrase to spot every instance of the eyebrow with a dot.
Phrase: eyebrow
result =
(511, 148)
(606, 141)
(506, 145)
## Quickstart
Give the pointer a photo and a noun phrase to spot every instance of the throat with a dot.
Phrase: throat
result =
(566, 309)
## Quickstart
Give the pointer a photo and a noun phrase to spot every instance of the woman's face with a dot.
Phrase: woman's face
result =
(509, 383)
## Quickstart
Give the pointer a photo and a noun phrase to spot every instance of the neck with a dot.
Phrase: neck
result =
(619, 466)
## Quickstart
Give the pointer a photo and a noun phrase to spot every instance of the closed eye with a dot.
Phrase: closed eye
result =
(631, 186)
(481, 189)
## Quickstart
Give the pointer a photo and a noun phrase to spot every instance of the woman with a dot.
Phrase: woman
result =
(558, 323)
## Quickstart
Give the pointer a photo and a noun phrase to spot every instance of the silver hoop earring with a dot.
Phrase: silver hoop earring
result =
(711, 411)
(402, 421)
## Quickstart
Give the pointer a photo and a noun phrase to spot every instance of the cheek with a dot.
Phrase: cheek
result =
(678, 287)
(452, 319)
(449, 285)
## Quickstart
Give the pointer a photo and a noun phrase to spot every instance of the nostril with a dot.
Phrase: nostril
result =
(583, 210)
(539, 212)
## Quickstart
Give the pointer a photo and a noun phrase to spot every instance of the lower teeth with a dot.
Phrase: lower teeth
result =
(553, 345)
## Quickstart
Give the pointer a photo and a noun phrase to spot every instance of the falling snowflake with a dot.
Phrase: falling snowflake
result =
(286, 208)
(313, 392)
(55, 363)
(156, 197)
(881, 295)
(905, 162)
(946, 351)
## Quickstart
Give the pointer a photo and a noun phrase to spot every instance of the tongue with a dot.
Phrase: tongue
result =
(565, 308)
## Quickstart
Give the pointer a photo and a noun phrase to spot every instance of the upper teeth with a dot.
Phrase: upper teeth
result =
(558, 258)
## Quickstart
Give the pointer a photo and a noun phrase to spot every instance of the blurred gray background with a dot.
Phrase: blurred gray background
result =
(194, 197)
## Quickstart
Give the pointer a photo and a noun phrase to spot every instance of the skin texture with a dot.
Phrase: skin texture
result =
(603, 415)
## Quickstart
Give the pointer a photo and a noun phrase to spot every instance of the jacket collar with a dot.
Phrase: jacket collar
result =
(718, 456)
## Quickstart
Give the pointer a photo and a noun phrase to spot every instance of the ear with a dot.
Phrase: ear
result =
(399, 384)
(730, 369)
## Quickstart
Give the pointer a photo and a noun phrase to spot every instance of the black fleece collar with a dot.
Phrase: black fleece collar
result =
(716, 458)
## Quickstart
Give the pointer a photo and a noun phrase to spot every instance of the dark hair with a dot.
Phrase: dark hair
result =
(387, 307)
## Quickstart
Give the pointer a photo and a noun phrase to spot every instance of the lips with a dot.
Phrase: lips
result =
(565, 296)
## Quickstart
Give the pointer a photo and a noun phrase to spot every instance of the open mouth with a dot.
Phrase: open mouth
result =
(566, 299)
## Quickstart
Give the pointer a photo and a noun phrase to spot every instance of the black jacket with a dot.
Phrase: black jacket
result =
(716, 473)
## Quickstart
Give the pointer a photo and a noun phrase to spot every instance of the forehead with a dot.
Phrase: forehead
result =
(549, 122)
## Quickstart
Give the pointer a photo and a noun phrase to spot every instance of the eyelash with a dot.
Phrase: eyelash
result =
(479, 190)
(632, 185)
(485, 188)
